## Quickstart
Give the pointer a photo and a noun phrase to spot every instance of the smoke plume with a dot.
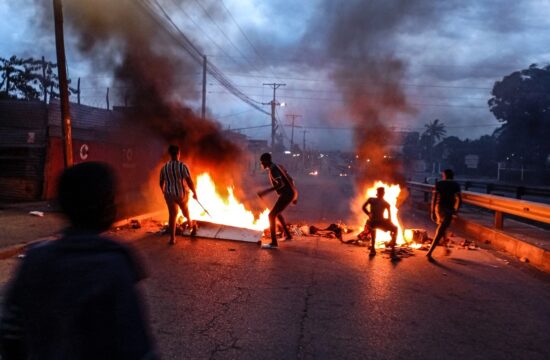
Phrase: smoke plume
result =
(357, 42)
(124, 39)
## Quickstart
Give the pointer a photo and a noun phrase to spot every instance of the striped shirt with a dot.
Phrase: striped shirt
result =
(172, 175)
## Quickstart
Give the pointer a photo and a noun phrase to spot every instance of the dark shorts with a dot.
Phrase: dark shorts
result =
(283, 201)
(384, 225)
(443, 215)
(173, 201)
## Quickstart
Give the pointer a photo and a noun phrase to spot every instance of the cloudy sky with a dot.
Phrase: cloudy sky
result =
(412, 61)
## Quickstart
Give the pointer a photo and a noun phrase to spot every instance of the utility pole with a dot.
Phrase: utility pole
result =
(293, 116)
(273, 103)
(203, 110)
(63, 84)
(78, 91)
(304, 149)
(107, 98)
(44, 80)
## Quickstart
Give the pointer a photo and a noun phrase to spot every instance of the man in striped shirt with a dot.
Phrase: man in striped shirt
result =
(175, 180)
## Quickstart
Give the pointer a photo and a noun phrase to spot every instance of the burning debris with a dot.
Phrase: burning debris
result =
(228, 210)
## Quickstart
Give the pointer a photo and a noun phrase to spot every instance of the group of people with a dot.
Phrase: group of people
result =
(75, 297)
(176, 182)
(175, 178)
(446, 200)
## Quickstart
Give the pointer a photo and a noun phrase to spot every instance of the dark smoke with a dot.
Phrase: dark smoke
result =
(357, 40)
(120, 38)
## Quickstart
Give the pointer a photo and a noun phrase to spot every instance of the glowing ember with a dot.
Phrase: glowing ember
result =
(223, 211)
(391, 196)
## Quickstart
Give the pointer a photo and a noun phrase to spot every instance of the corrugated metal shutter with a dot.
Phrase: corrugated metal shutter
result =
(22, 149)
(87, 123)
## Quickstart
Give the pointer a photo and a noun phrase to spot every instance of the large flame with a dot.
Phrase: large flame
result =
(391, 196)
(227, 211)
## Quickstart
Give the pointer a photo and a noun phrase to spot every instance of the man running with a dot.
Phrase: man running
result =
(283, 184)
(375, 207)
(446, 200)
(174, 176)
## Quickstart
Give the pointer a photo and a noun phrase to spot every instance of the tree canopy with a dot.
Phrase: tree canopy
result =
(521, 101)
(28, 79)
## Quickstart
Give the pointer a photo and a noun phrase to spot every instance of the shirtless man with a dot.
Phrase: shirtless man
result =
(375, 207)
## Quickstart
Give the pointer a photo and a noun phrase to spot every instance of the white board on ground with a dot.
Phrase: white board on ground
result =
(226, 232)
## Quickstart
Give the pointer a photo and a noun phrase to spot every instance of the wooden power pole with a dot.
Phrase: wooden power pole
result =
(63, 84)
(293, 116)
(273, 103)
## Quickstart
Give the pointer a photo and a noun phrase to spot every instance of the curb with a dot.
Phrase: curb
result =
(146, 216)
(13, 250)
(10, 251)
(526, 252)
(537, 256)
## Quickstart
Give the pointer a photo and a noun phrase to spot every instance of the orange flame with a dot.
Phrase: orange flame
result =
(229, 211)
(391, 196)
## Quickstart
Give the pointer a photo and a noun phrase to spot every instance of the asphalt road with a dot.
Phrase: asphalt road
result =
(320, 299)
(315, 298)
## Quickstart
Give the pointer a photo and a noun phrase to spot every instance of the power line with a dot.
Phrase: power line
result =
(224, 34)
(326, 100)
(181, 8)
(251, 127)
(246, 37)
(354, 79)
(195, 53)
(351, 128)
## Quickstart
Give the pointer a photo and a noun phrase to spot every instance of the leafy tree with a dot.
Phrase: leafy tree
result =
(451, 152)
(485, 148)
(29, 79)
(521, 101)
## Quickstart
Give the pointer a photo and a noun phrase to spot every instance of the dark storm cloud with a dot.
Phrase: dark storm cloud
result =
(361, 45)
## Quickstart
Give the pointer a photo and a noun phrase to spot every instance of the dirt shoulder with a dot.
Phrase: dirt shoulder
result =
(17, 226)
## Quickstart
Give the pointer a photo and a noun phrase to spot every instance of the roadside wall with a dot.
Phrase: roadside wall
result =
(23, 134)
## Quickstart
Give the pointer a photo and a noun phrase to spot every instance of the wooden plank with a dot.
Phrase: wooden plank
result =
(225, 232)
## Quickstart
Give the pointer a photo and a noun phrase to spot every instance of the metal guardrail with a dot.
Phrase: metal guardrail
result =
(518, 190)
(499, 204)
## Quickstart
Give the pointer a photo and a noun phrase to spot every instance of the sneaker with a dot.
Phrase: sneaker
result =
(269, 246)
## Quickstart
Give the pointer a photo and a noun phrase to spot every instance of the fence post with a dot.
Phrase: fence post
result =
(520, 191)
(499, 220)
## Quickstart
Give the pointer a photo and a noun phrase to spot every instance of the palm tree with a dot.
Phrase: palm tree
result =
(434, 132)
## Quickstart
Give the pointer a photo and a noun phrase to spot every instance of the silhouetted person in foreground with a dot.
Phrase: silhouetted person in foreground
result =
(375, 208)
(175, 180)
(446, 200)
(283, 184)
(75, 297)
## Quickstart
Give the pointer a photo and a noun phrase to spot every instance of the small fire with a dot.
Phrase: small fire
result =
(391, 196)
(227, 211)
